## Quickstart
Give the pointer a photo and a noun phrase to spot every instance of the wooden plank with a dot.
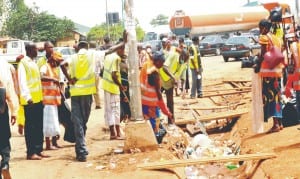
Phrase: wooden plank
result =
(226, 93)
(205, 160)
(202, 107)
(236, 80)
(228, 89)
(214, 116)
(234, 84)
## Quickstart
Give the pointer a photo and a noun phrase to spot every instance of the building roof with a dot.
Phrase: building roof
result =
(81, 29)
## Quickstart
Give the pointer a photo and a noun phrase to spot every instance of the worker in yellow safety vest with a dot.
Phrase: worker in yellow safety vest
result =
(167, 72)
(31, 98)
(196, 68)
(112, 85)
(82, 87)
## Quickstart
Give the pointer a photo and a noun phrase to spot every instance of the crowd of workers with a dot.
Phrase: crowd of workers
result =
(35, 90)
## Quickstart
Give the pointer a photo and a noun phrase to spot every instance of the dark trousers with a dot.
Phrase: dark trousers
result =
(34, 128)
(80, 113)
(298, 103)
(4, 139)
(170, 103)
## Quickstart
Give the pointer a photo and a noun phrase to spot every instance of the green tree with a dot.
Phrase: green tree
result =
(97, 33)
(140, 33)
(159, 20)
(48, 27)
(27, 23)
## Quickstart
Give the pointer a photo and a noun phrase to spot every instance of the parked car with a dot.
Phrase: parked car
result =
(240, 46)
(65, 51)
(211, 44)
(188, 42)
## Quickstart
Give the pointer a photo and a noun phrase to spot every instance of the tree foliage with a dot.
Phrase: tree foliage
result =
(27, 23)
(159, 20)
(115, 32)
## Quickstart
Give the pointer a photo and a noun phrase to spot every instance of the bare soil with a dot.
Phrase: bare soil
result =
(103, 163)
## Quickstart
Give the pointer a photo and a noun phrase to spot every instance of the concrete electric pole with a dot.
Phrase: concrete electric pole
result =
(133, 62)
(139, 134)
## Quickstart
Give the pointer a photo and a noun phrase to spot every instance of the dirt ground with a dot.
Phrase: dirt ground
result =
(103, 163)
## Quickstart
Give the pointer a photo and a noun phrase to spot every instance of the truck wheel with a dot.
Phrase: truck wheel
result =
(225, 59)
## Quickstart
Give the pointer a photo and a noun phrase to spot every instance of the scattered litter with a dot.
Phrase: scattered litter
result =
(121, 145)
(118, 151)
(100, 167)
(135, 150)
(89, 165)
(131, 161)
(146, 160)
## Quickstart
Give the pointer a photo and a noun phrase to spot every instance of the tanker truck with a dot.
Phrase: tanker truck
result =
(232, 20)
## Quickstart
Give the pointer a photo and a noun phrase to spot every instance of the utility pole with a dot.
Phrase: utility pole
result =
(133, 63)
(107, 21)
(139, 134)
(297, 10)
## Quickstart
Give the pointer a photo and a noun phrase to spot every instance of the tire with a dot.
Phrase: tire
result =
(225, 59)
(218, 52)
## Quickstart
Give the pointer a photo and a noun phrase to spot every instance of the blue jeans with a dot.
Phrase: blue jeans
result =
(80, 113)
(196, 84)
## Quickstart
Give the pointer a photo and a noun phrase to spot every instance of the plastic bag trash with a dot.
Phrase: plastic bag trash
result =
(89, 165)
(191, 172)
(201, 140)
(118, 151)
(131, 161)
(100, 167)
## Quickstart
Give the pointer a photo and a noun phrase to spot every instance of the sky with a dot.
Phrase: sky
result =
(92, 12)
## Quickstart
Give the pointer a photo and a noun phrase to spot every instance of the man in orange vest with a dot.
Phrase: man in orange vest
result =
(152, 99)
(51, 98)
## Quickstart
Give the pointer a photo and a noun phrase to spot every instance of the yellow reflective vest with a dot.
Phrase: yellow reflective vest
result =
(111, 64)
(194, 58)
(41, 61)
(82, 67)
(172, 62)
(33, 80)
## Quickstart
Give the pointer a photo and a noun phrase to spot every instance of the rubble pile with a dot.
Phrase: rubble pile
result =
(202, 146)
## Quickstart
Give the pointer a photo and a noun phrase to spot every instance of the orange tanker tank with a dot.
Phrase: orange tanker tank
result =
(243, 18)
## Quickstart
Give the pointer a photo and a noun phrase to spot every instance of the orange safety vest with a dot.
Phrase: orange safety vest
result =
(148, 92)
(295, 49)
(51, 92)
(277, 71)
